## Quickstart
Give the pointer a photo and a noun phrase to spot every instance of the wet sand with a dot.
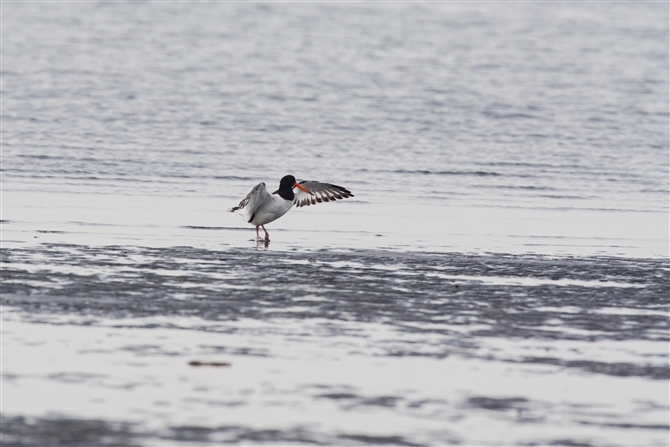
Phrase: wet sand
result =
(125, 345)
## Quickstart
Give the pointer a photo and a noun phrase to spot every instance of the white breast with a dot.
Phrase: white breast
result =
(271, 210)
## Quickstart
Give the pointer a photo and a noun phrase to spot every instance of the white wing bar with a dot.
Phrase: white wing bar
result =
(319, 192)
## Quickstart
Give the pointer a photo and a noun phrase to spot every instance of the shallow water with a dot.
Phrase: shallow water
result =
(533, 128)
(500, 278)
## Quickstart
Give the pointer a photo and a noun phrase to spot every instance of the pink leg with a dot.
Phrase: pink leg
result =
(257, 236)
(267, 236)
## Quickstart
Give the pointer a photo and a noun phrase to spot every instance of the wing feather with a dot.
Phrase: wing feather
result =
(258, 196)
(320, 192)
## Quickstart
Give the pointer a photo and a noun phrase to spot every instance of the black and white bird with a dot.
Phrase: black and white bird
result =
(260, 207)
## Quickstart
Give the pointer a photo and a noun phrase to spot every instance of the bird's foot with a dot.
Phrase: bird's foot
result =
(260, 242)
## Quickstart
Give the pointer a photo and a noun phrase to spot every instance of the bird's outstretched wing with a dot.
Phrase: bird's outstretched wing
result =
(319, 192)
(254, 200)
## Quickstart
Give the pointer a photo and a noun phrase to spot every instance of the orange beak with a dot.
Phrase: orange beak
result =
(298, 185)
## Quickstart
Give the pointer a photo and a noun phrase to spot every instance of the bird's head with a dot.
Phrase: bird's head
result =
(289, 182)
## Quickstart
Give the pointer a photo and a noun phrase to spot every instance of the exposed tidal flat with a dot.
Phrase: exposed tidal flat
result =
(501, 276)
(123, 345)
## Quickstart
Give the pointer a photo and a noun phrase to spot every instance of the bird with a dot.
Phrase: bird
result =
(260, 207)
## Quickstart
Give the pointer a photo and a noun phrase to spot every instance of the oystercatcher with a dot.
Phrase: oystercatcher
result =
(260, 207)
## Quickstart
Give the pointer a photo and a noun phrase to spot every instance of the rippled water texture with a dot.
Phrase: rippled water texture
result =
(498, 126)
(500, 277)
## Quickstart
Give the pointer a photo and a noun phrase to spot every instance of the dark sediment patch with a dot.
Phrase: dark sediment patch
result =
(497, 404)
(367, 286)
(464, 297)
(23, 432)
(610, 369)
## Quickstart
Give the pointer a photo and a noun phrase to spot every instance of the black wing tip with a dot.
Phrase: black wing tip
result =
(344, 191)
